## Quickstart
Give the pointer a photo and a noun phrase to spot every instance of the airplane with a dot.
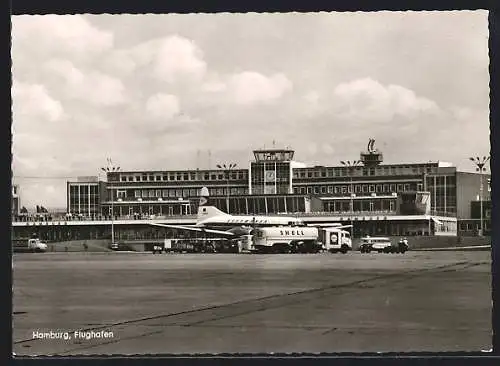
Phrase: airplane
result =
(214, 221)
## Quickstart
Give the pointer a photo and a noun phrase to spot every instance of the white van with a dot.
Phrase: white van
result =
(379, 244)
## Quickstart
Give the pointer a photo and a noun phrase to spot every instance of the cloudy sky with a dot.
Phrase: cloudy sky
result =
(160, 91)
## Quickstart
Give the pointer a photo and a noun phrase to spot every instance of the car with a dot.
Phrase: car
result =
(382, 245)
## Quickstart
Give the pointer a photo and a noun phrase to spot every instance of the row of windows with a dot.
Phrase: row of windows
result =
(261, 205)
(358, 188)
(186, 192)
(160, 210)
(81, 189)
(297, 173)
(185, 176)
(361, 171)
(441, 180)
(357, 206)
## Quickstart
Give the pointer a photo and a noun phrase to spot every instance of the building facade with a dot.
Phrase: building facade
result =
(275, 183)
(15, 201)
(84, 196)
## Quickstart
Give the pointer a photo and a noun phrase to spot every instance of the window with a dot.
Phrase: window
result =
(158, 193)
(344, 189)
(121, 193)
(123, 178)
(316, 190)
(400, 187)
(309, 190)
(393, 188)
(144, 193)
(358, 188)
(336, 189)
(137, 193)
(365, 188)
(378, 188)
(158, 177)
(151, 193)
(130, 178)
(323, 189)
(372, 188)
(406, 187)
(386, 188)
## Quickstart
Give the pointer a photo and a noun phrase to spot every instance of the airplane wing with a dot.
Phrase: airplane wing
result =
(333, 226)
(326, 225)
(192, 228)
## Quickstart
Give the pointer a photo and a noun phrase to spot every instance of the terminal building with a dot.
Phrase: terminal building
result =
(432, 198)
(379, 199)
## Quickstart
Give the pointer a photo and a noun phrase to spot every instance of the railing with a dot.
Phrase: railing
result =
(341, 213)
(49, 218)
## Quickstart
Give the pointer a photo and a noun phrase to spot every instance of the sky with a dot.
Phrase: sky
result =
(191, 91)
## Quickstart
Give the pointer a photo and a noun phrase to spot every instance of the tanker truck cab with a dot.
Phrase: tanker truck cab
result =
(336, 240)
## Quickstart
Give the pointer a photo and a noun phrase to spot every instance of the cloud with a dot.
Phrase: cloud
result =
(170, 59)
(251, 87)
(33, 102)
(162, 106)
(52, 35)
(369, 100)
(93, 87)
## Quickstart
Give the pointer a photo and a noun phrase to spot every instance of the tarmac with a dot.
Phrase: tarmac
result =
(140, 304)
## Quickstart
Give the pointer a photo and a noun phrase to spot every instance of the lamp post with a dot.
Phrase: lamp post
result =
(227, 168)
(350, 165)
(480, 167)
(111, 168)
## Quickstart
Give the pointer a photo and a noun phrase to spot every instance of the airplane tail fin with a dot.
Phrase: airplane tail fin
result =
(206, 209)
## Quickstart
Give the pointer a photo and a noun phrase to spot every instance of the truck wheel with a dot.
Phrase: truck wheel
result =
(343, 249)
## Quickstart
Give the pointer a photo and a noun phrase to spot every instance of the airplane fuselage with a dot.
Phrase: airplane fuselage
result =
(230, 221)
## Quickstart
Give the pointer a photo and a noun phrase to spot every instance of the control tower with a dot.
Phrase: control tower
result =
(271, 172)
(372, 156)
